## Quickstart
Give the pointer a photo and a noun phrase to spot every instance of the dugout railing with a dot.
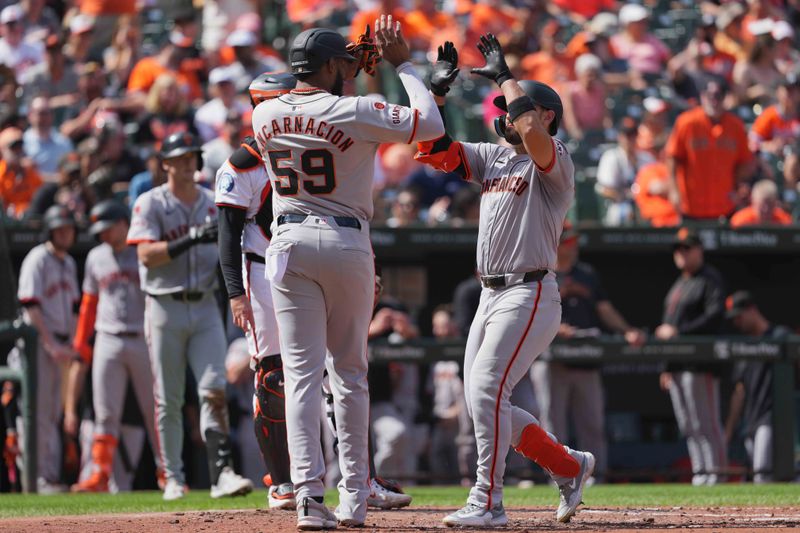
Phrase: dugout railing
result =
(784, 356)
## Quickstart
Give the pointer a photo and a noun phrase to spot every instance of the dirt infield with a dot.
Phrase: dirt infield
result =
(409, 520)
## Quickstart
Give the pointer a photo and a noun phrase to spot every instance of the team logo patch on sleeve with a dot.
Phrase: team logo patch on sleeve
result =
(379, 105)
(225, 183)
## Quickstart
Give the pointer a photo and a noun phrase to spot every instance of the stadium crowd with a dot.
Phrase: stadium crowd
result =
(675, 112)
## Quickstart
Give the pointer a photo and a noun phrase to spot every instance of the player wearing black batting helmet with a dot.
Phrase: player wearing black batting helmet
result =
(105, 214)
(270, 85)
(312, 48)
(541, 94)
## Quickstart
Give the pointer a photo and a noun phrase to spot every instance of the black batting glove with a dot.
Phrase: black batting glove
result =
(495, 68)
(205, 233)
(445, 69)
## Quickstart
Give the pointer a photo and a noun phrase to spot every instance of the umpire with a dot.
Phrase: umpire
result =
(175, 229)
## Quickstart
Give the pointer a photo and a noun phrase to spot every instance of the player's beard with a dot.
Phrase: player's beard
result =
(512, 138)
(338, 85)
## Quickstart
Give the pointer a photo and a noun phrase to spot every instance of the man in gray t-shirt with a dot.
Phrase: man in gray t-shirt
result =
(526, 190)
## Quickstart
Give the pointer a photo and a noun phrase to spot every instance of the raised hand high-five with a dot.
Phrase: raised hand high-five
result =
(445, 69)
(391, 44)
(496, 68)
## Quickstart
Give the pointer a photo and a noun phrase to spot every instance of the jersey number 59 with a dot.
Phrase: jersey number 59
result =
(313, 163)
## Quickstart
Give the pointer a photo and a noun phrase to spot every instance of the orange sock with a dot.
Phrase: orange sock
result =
(103, 449)
(537, 446)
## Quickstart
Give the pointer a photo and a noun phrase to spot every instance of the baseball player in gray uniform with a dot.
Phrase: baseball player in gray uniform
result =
(319, 147)
(525, 193)
(113, 306)
(48, 292)
(175, 229)
(244, 199)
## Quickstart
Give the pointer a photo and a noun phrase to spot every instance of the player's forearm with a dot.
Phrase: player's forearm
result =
(231, 225)
(153, 254)
(429, 123)
(611, 317)
(534, 136)
(75, 379)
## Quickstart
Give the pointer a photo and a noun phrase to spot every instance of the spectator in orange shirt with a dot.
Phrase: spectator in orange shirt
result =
(168, 60)
(548, 65)
(763, 209)
(708, 157)
(18, 177)
(362, 18)
(489, 16)
(424, 22)
(651, 193)
(729, 30)
(779, 125)
(582, 10)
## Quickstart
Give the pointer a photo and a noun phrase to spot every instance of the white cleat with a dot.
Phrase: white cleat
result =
(313, 516)
(347, 521)
(173, 490)
(472, 515)
(571, 489)
(386, 497)
(46, 488)
(230, 483)
(281, 497)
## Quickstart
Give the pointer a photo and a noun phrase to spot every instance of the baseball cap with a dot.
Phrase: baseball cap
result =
(632, 13)
(9, 136)
(654, 104)
(728, 14)
(180, 40)
(761, 27)
(12, 13)
(687, 237)
(738, 302)
(782, 30)
(242, 38)
(220, 75)
(81, 24)
(604, 24)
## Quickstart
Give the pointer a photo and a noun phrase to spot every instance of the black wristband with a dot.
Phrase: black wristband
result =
(442, 114)
(503, 77)
(180, 245)
(518, 106)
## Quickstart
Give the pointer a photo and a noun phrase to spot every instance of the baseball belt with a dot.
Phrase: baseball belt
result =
(255, 258)
(505, 280)
(342, 222)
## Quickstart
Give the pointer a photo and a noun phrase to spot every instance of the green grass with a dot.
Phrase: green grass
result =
(19, 505)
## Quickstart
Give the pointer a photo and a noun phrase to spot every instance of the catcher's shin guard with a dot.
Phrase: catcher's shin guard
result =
(269, 419)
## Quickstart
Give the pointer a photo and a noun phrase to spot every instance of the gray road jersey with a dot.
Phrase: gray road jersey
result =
(114, 278)
(319, 149)
(159, 216)
(522, 207)
(52, 284)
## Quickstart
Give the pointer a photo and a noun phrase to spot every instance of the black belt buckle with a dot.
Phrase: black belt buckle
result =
(255, 258)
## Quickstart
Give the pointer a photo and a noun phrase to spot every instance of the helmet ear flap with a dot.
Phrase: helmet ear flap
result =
(500, 126)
